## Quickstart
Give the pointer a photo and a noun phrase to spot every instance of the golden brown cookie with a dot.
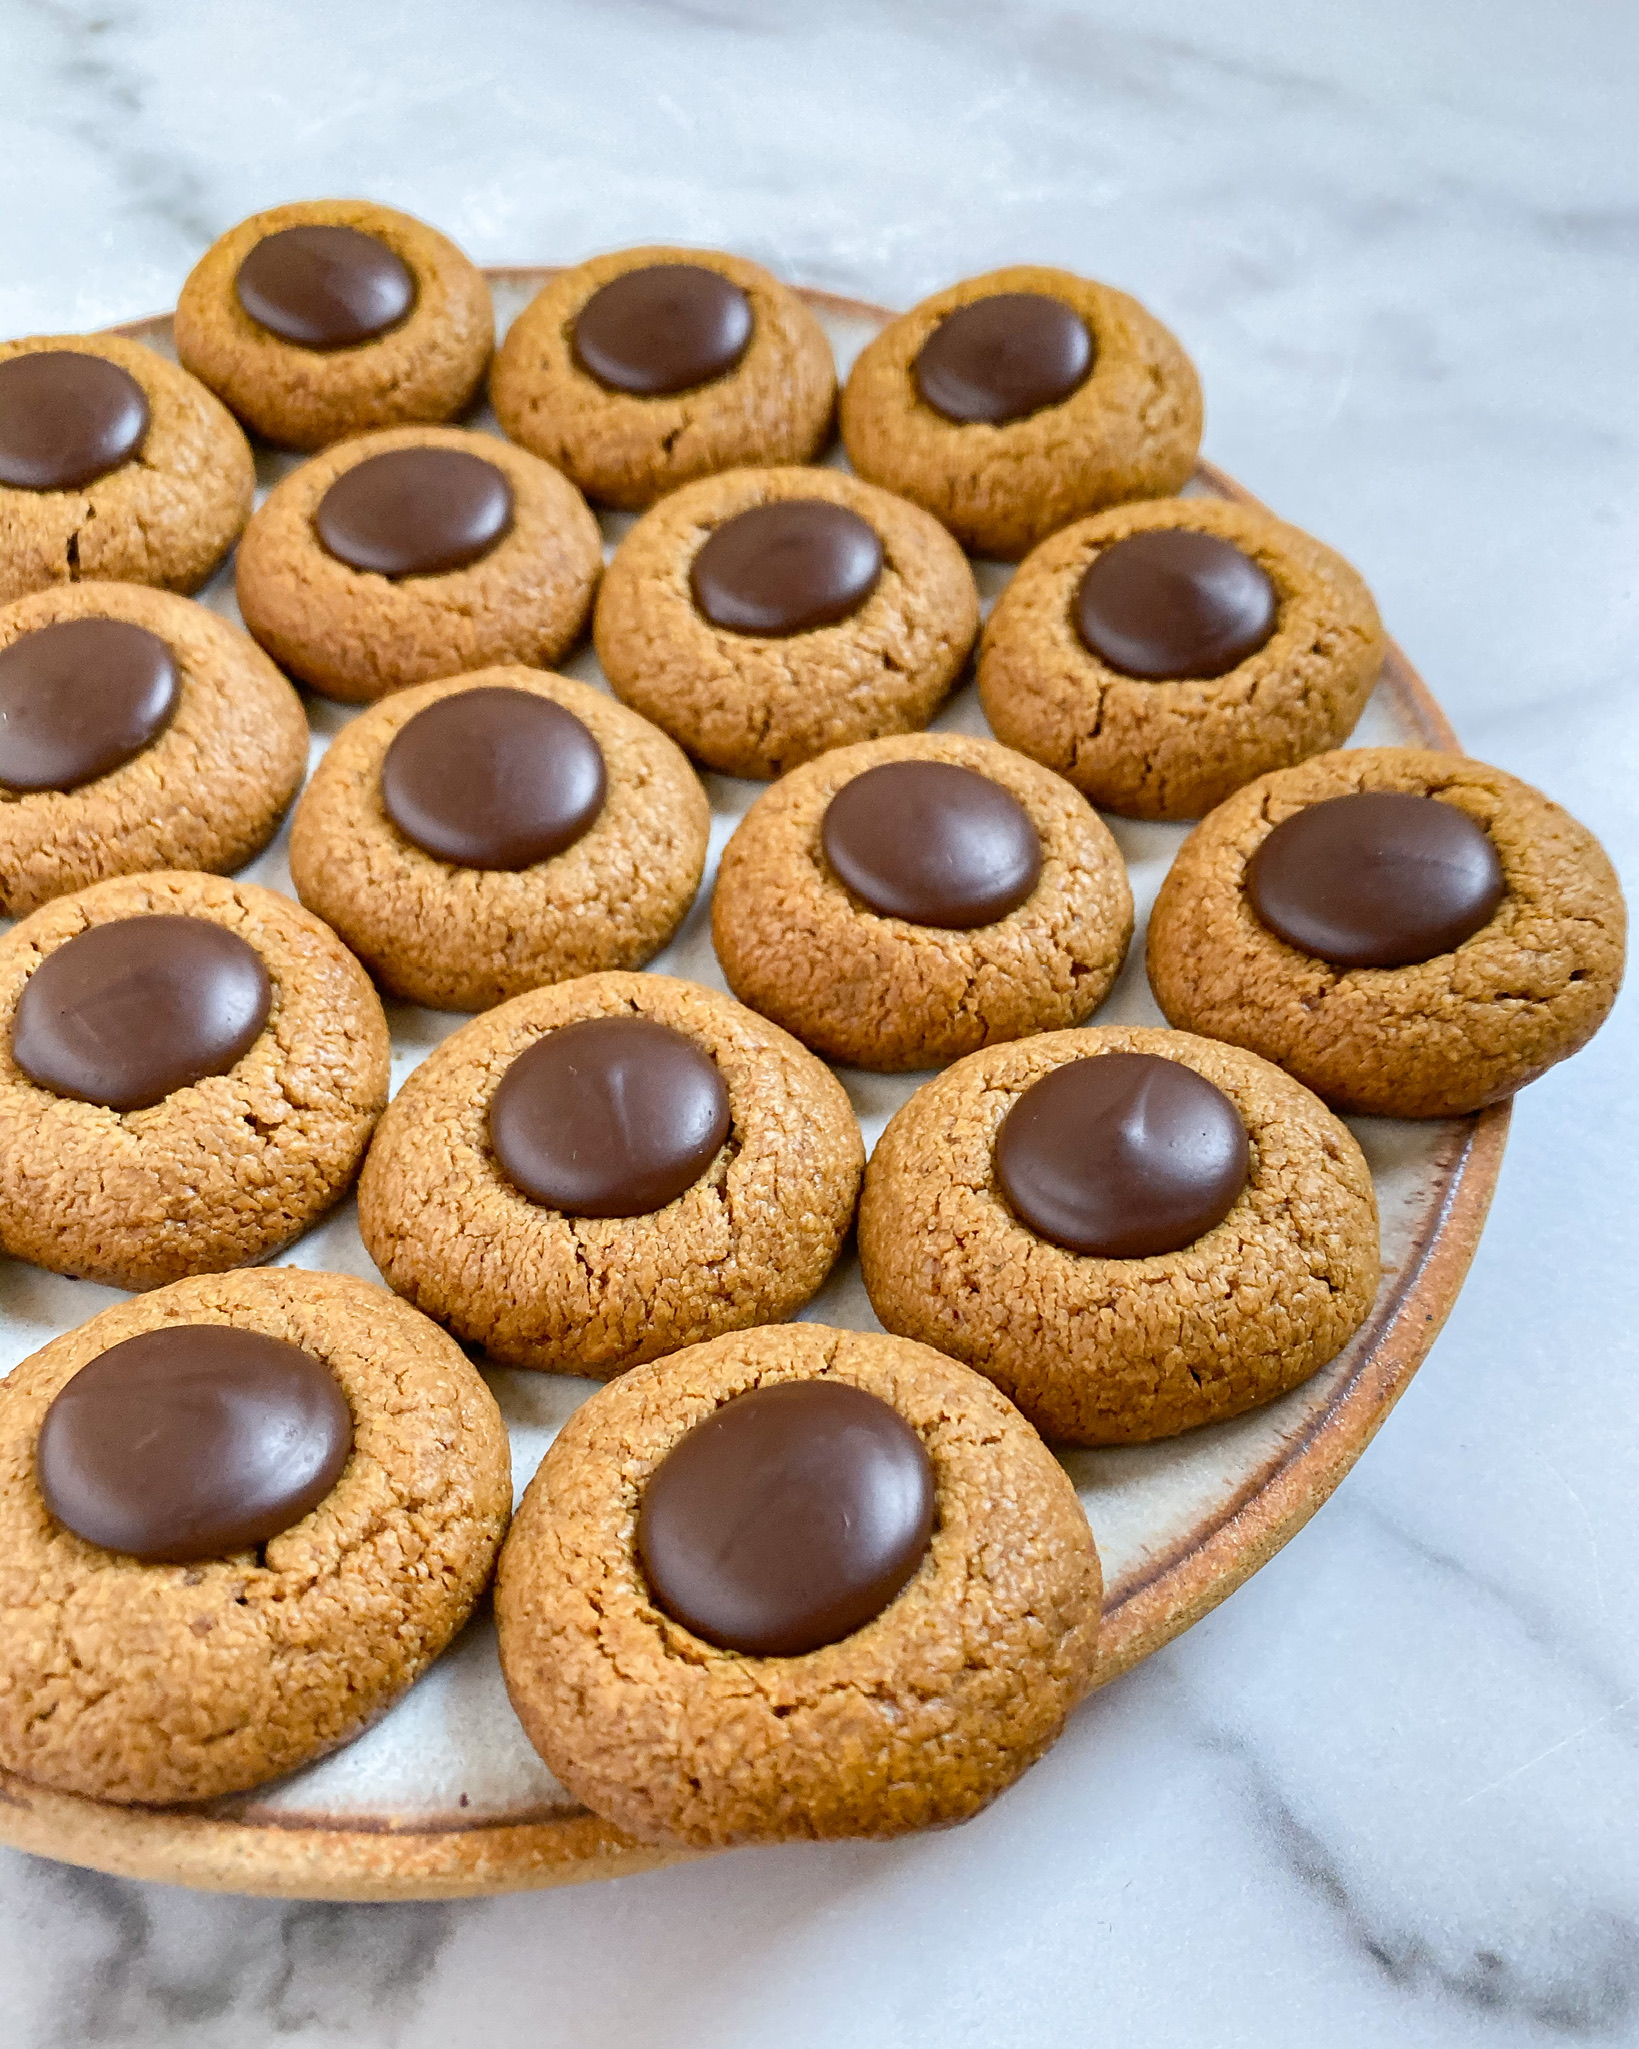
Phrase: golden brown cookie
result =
(1033, 448)
(138, 1681)
(461, 935)
(207, 790)
(1248, 648)
(356, 632)
(1465, 1024)
(891, 597)
(917, 1718)
(243, 990)
(768, 400)
(376, 320)
(1100, 1349)
(1034, 907)
(129, 473)
(752, 1229)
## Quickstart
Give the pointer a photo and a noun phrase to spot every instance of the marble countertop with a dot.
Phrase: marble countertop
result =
(1386, 1795)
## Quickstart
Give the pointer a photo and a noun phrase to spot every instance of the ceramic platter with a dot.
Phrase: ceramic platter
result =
(443, 1797)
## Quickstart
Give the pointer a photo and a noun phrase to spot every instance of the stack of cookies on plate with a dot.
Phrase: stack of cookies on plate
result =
(776, 1579)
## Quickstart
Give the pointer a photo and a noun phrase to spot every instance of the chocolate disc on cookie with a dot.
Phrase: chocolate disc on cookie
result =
(1376, 879)
(787, 567)
(788, 1519)
(1003, 358)
(192, 1442)
(493, 778)
(609, 1117)
(1171, 603)
(67, 418)
(78, 698)
(932, 843)
(127, 1013)
(666, 328)
(415, 512)
(324, 287)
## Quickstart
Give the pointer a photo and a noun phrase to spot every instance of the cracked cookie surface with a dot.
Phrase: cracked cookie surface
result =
(916, 1720)
(134, 1682)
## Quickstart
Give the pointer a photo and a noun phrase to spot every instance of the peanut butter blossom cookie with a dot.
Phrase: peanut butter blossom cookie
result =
(1130, 1231)
(1013, 403)
(640, 371)
(113, 464)
(902, 902)
(796, 1583)
(1411, 934)
(1162, 655)
(601, 1172)
(322, 1485)
(478, 837)
(416, 553)
(190, 1070)
(137, 731)
(768, 615)
(333, 316)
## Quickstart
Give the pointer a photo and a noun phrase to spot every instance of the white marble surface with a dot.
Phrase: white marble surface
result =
(1385, 1796)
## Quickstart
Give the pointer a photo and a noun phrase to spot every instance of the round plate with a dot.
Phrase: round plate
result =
(443, 1796)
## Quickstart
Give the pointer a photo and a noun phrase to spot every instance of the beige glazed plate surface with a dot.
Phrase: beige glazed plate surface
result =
(444, 1797)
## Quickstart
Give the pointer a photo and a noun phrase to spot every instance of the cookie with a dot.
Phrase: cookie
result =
(766, 616)
(323, 1486)
(1162, 655)
(182, 1096)
(416, 553)
(1130, 1231)
(137, 731)
(643, 370)
(902, 902)
(1013, 403)
(1424, 949)
(334, 316)
(601, 1172)
(723, 1616)
(478, 837)
(114, 465)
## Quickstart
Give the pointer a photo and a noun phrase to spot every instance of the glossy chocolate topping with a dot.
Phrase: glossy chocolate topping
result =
(67, 418)
(1122, 1155)
(1004, 358)
(609, 1117)
(192, 1442)
(788, 1519)
(127, 1013)
(1171, 603)
(932, 843)
(415, 512)
(663, 329)
(493, 779)
(1379, 879)
(324, 288)
(79, 698)
(787, 568)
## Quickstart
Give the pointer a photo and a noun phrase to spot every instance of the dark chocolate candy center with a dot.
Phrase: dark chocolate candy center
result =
(1378, 879)
(662, 329)
(787, 568)
(1122, 1155)
(1172, 603)
(609, 1117)
(67, 418)
(191, 1442)
(324, 288)
(79, 698)
(415, 512)
(932, 843)
(493, 779)
(1004, 358)
(788, 1519)
(126, 1013)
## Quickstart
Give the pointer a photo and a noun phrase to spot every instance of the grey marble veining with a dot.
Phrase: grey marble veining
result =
(1384, 1796)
